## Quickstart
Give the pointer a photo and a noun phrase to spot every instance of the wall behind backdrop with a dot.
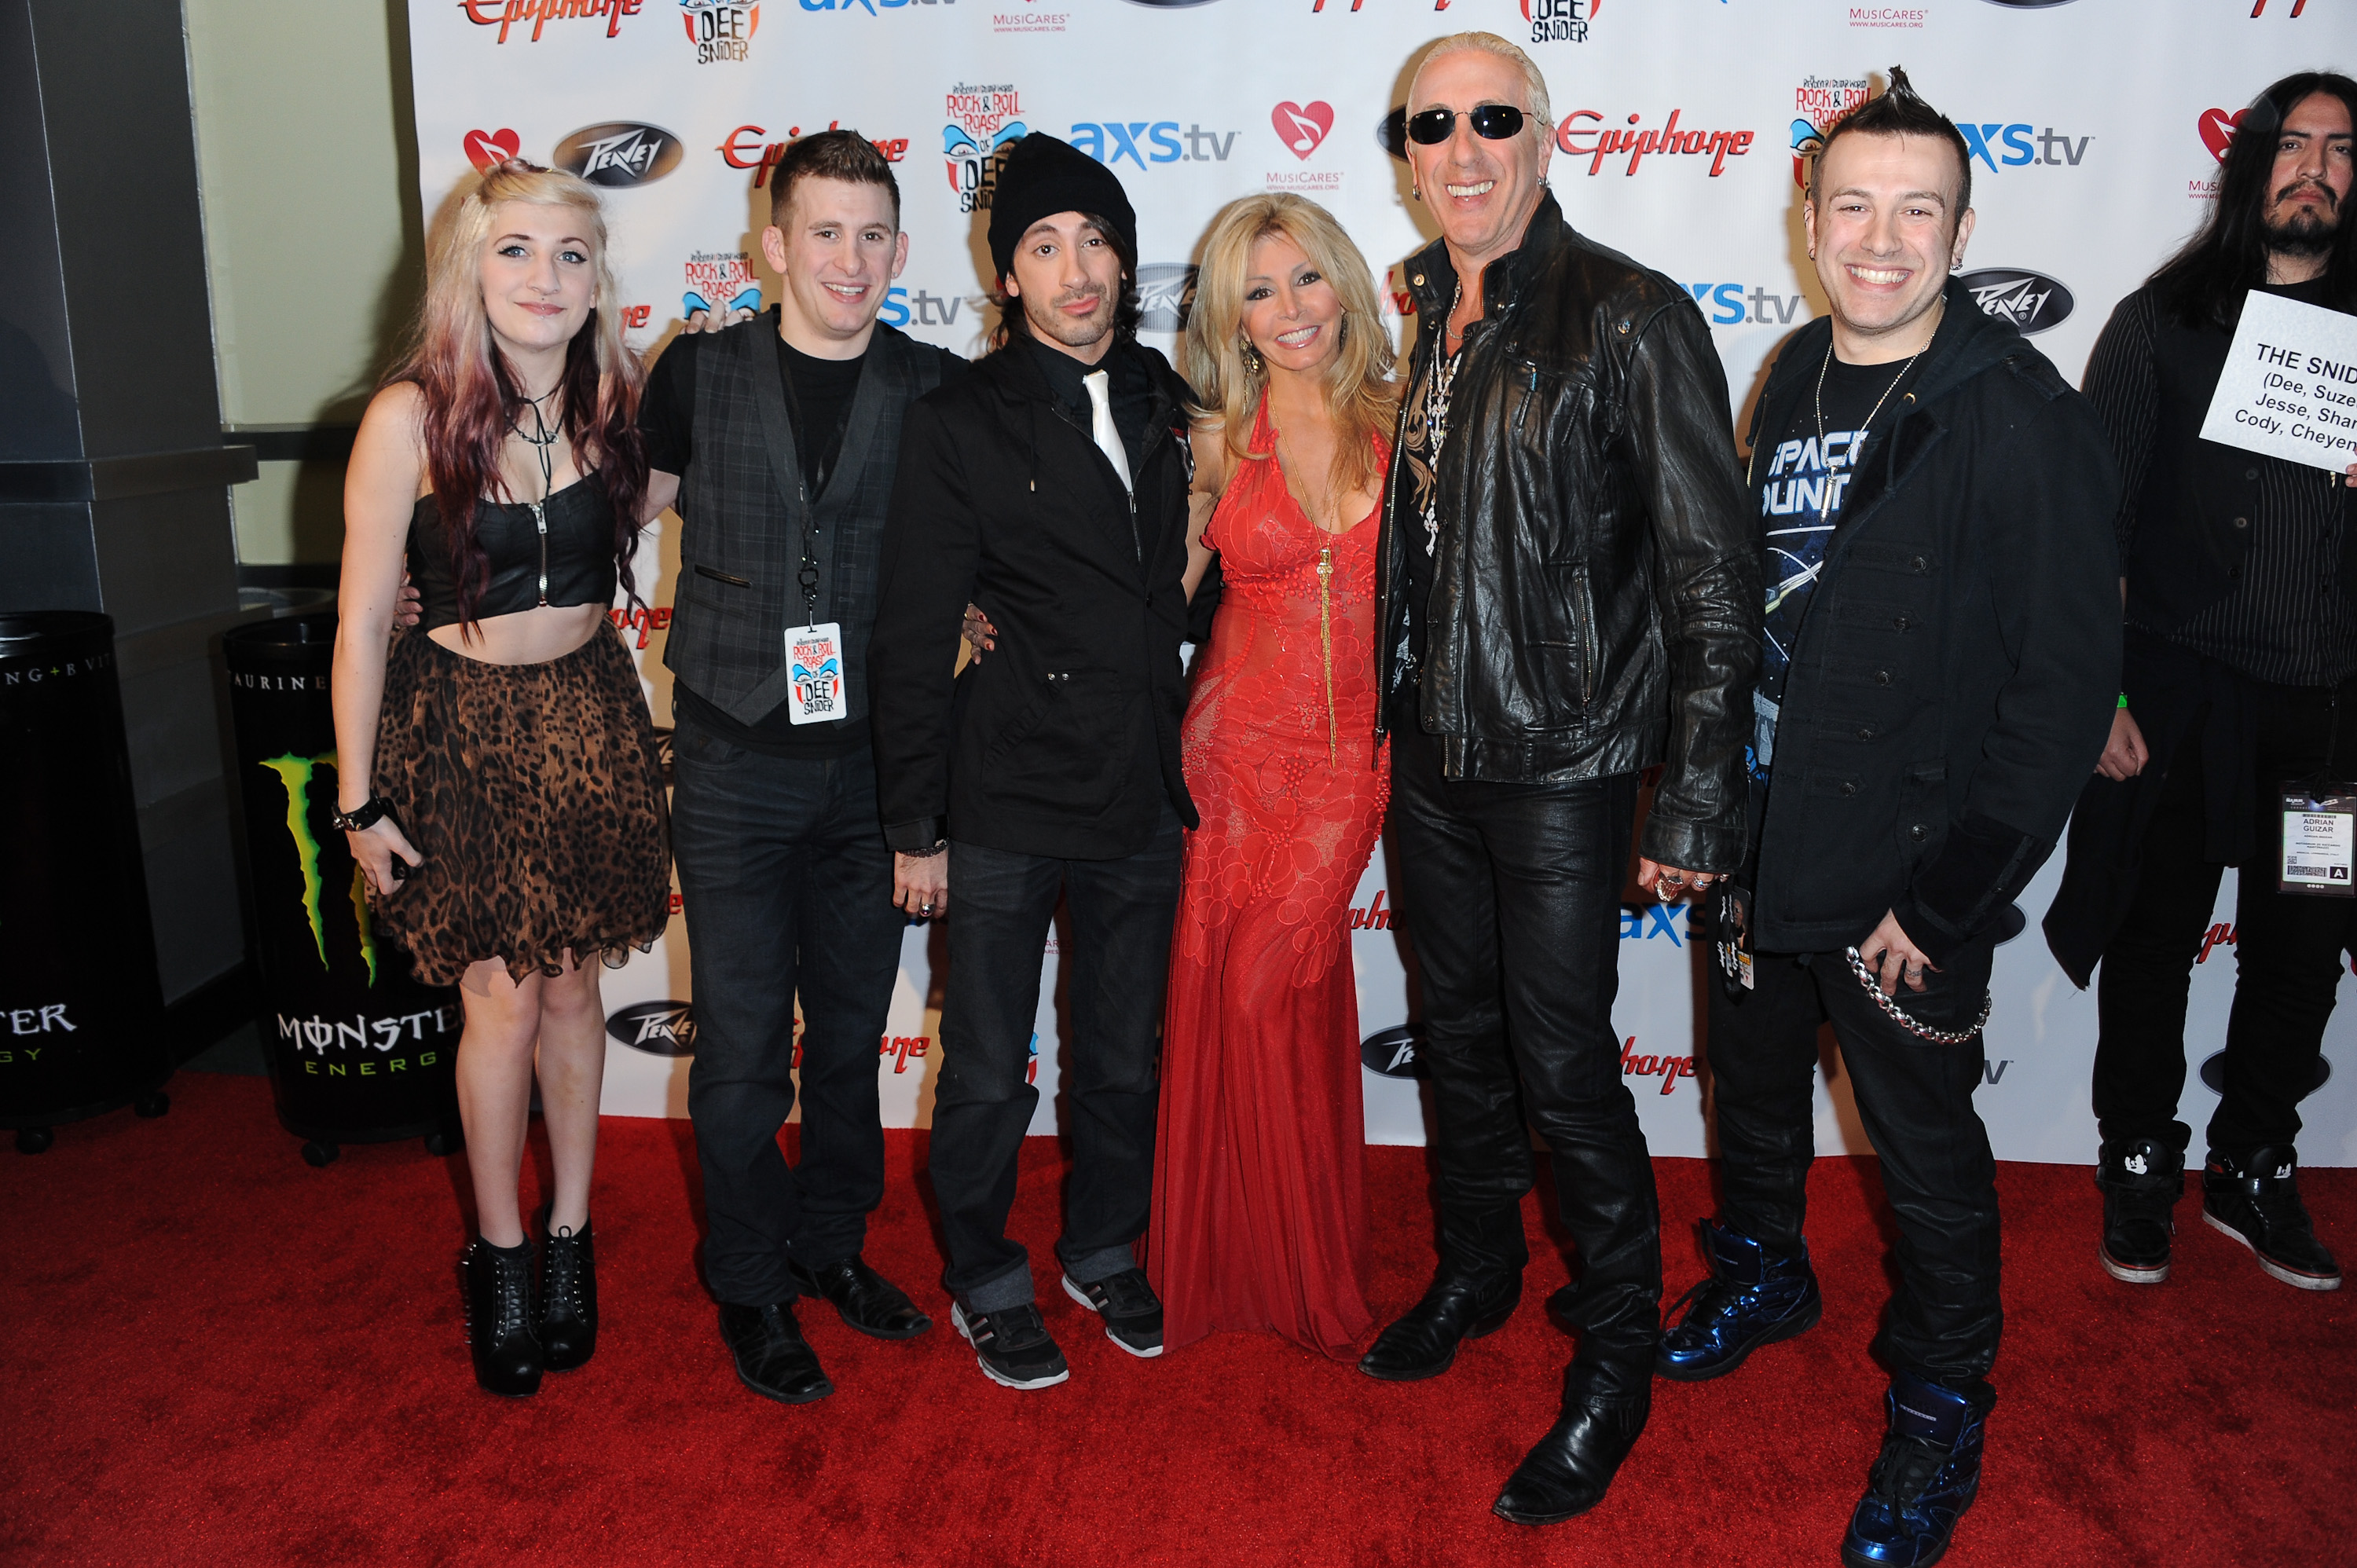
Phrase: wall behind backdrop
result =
(2094, 126)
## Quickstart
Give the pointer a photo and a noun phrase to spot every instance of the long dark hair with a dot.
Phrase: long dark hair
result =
(1127, 315)
(471, 399)
(2203, 284)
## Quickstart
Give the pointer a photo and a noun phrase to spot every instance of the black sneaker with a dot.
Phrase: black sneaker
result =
(2141, 1180)
(2253, 1200)
(1131, 1312)
(1012, 1345)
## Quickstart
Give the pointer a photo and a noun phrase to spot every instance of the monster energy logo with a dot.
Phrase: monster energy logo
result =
(295, 775)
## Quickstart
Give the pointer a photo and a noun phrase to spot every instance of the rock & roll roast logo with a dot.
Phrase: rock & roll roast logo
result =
(1817, 103)
(721, 283)
(512, 16)
(618, 153)
(1558, 21)
(817, 674)
(722, 35)
(984, 120)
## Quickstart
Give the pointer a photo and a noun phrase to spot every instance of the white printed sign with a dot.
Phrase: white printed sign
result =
(2289, 388)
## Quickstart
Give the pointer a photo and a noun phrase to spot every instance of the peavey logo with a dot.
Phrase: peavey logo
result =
(1302, 126)
(984, 120)
(510, 14)
(2032, 301)
(1391, 1053)
(721, 34)
(1165, 293)
(658, 1028)
(1581, 135)
(1817, 103)
(1558, 21)
(618, 153)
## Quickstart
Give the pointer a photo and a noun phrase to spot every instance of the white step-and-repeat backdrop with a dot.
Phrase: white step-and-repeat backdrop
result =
(2095, 128)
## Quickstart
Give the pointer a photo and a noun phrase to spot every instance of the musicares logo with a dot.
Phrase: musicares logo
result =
(2217, 128)
(489, 149)
(1302, 126)
(506, 14)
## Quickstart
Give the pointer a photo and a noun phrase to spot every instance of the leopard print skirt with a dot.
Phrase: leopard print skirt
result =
(536, 795)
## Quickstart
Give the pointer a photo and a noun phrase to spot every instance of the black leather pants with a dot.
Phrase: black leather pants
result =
(1915, 1098)
(1511, 894)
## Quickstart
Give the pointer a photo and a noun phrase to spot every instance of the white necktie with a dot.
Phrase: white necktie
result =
(1100, 424)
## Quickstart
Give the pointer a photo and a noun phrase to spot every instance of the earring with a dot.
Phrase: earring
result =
(1254, 363)
(1414, 192)
(1342, 330)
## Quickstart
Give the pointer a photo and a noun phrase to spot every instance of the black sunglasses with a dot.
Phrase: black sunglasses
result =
(1492, 122)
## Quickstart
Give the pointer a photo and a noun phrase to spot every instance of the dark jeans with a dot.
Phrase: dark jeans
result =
(1115, 967)
(2287, 949)
(788, 886)
(1916, 1100)
(1511, 894)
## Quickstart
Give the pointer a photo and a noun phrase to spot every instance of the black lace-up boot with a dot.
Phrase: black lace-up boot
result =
(568, 1297)
(498, 1318)
(2141, 1180)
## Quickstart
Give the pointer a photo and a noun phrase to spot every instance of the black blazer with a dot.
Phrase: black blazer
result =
(1955, 677)
(1064, 741)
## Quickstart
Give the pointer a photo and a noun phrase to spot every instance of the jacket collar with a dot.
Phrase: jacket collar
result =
(1432, 276)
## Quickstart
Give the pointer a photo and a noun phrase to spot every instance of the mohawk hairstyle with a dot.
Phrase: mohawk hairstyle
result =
(1897, 111)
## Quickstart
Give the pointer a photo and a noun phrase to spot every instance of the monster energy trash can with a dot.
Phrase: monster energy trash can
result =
(81, 1013)
(359, 1051)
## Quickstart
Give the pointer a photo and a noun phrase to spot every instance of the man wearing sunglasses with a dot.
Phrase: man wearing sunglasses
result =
(1569, 595)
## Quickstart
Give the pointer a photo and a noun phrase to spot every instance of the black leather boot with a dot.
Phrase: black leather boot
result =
(2141, 1180)
(1572, 1467)
(498, 1318)
(568, 1297)
(1479, 1286)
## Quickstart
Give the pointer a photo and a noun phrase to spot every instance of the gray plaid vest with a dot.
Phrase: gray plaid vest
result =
(743, 517)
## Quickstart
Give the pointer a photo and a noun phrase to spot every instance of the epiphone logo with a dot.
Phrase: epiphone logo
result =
(508, 14)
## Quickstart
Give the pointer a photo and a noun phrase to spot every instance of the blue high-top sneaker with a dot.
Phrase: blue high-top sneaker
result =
(1924, 1479)
(1753, 1297)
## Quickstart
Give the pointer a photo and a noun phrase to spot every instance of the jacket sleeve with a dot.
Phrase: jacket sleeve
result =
(932, 546)
(2053, 572)
(1681, 441)
(2125, 387)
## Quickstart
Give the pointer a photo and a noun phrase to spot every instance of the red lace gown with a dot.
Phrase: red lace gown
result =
(1260, 1216)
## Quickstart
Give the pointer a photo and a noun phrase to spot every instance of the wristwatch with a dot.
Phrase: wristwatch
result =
(365, 815)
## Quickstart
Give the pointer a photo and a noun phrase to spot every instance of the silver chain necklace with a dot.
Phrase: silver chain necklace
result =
(1436, 419)
(1824, 506)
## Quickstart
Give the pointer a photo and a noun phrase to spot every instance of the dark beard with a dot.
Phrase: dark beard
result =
(2306, 234)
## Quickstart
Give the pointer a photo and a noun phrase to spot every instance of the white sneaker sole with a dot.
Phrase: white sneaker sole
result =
(1077, 1293)
(2127, 1275)
(2297, 1281)
(957, 1321)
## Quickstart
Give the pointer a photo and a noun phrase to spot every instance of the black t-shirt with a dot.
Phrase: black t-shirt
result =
(1805, 472)
(819, 394)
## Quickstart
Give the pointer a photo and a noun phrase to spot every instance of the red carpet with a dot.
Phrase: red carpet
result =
(214, 1354)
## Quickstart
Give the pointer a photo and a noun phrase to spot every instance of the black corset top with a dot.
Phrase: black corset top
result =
(571, 564)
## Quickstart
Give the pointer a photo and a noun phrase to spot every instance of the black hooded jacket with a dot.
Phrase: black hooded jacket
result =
(1954, 677)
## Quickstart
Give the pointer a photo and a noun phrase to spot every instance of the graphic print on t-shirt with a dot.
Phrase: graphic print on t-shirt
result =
(1800, 506)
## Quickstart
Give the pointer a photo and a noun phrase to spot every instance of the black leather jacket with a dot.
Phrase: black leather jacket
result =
(1595, 602)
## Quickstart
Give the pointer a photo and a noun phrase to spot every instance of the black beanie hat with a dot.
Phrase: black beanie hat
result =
(1042, 176)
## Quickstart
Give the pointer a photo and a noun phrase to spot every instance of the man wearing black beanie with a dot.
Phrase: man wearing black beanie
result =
(1050, 490)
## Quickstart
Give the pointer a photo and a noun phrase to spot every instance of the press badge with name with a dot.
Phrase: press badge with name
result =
(815, 657)
(2320, 841)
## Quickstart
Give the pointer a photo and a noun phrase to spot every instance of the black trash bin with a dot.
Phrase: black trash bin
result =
(81, 1012)
(359, 1051)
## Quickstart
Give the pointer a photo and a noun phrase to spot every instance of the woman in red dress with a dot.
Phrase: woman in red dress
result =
(1260, 1217)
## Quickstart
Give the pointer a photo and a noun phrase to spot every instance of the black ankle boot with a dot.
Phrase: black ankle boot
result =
(568, 1297)
(498, 1318)
(1568, 1471)
(2141, 1179)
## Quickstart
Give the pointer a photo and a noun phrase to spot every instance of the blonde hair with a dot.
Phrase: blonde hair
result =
(1533, 80)
(1356, 381)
